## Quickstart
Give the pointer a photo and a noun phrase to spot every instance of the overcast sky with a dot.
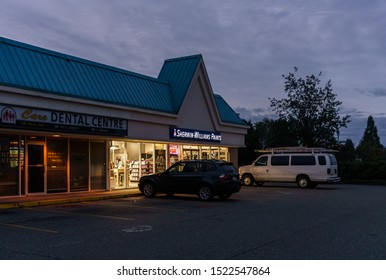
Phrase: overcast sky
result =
(247, 45)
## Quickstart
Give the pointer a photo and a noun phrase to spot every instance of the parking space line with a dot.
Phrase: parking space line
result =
(157, 208)
(134, 206)
(30, 228)
(284, 192)
(82, 214)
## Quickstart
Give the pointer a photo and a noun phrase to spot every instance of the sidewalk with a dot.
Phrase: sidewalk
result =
(50, 199)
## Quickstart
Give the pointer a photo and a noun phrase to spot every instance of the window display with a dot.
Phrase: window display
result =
(57, 165)
(9, 165)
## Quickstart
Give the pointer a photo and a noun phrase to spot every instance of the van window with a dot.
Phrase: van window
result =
(303, 160)
(322, 160)
(261, 161)
(279, 160)
(332, 160)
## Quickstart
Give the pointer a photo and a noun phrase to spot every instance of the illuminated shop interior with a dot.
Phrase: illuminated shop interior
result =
(39, 164)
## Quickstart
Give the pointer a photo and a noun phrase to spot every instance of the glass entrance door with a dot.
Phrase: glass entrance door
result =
(36, 168)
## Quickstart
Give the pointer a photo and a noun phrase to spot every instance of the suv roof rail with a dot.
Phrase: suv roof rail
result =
(283, 150)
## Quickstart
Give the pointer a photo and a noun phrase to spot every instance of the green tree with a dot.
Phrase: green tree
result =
(370, 147)
(347, 151)
(275, 133)
(311, 111)
(247, 154)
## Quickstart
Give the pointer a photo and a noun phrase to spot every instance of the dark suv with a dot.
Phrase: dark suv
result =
(206, 178)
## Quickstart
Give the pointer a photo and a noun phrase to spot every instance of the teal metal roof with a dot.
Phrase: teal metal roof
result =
(30, 67)
(179, 73)
(227, 114)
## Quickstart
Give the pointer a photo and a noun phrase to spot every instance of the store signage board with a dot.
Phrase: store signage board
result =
(59, 121)
(194, 135)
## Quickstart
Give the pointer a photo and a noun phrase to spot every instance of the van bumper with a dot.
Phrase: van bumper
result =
(333, 180)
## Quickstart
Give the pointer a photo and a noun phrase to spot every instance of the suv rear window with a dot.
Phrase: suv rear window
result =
(303, 160)
(209, 167)
(227, 167)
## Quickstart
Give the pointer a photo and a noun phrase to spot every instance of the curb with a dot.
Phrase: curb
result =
(45, 202)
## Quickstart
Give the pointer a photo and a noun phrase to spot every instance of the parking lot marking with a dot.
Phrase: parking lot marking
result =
(157, 208)
(30, 228)
(141, 228)
(284, 192)
(135, 206)
(82, 214)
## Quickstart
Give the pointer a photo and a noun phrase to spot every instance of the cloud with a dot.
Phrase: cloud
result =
(372, 92)
(253, 115)
(378, 92)
(247, 45)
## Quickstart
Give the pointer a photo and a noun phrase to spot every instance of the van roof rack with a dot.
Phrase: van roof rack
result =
(283, 150)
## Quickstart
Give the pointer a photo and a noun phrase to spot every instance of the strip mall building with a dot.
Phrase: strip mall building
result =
(69, 124)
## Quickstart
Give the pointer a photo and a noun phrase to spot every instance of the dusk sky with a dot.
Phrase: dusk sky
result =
(247, 45)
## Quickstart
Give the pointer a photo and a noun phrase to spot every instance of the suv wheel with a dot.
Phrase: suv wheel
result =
(205, 193)
(247, 180)
(303, 182)
(148, 190)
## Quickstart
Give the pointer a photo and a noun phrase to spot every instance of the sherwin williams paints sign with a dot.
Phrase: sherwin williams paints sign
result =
(59, 121)
(194, 134)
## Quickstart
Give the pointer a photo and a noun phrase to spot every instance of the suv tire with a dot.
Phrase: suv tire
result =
(205, 193)
(149, 190)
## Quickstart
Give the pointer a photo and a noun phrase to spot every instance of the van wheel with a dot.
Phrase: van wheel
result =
(303, 182)
(247, 180)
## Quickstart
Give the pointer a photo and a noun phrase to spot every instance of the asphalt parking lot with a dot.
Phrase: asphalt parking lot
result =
(269, 222)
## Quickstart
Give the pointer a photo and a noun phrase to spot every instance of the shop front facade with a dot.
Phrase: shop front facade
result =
(55, 142)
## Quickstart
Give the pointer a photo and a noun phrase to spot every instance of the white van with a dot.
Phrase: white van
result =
(305, 166)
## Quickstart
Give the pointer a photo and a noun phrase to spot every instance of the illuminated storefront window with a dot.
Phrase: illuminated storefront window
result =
(57, 164)
(124, 164)
(129, 161)
(204, 152)
(9, 165)
(174, 153)
(160, 159)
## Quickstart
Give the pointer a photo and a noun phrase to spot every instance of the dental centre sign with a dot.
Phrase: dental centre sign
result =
(59, 121)
(194, 134)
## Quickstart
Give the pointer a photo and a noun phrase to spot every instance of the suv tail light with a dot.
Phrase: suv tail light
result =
(223, 178)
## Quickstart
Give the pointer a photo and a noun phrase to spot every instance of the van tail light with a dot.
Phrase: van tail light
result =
(328, 171)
